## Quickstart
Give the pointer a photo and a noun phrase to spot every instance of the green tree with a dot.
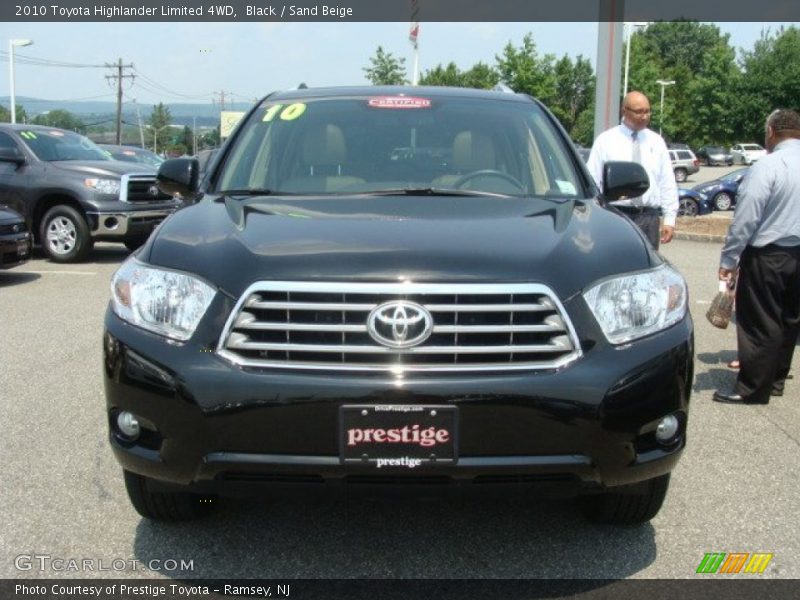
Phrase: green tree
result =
(574, 90)
(771, 80)
(699, 58)
(158, 123)
(59, 118)
(5, 114)
(526, 72)
(481, 76)
(386, 69)
(443, 76)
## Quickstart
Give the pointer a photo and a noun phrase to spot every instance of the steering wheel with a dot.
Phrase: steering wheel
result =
(488, 173)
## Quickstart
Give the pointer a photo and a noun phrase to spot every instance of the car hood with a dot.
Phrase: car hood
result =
(112, 169)
(563, 244)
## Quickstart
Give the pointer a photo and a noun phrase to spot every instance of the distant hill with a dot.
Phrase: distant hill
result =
(207, 114)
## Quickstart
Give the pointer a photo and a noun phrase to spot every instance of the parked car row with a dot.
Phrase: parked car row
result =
(71, 193)
(718, 194)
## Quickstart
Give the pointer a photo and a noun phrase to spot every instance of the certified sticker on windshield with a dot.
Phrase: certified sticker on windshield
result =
(399, 102)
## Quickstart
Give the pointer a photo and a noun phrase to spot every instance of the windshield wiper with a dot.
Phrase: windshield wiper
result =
(247, 192)
(430, 191)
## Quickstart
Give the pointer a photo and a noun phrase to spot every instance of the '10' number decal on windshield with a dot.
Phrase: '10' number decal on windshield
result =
(287, 113)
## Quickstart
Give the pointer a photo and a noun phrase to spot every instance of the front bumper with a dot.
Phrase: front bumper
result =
(219, 427)
(117, 225)
(15, 249)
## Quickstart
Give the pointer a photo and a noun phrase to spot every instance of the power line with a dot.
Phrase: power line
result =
(44, 62)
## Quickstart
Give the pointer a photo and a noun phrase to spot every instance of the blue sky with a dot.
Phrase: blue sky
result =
(187, 62)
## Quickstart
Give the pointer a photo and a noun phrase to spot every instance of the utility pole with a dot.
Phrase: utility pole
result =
(119, 76)
(221, 99)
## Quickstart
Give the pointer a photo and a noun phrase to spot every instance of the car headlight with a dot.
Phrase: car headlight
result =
(638, 304)
(164, 302)
(104, 186)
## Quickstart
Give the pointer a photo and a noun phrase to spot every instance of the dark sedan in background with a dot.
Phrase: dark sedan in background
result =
(15, 239)
(722, 192)
(714, 155)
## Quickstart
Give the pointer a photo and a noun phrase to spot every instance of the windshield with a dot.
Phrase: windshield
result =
(752, 147)
(136, 155)
(56, 144)
(352, 145)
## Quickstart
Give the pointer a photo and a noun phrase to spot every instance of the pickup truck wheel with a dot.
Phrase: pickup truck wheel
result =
(64, 235)
(164, 506)
(134, 243)
(627, 505)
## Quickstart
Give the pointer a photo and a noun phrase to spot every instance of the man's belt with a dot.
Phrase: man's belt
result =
(637, 210)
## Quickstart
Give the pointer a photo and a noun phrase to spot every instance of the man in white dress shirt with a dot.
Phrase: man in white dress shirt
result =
(633, 141)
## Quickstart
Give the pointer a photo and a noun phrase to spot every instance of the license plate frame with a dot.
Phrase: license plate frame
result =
(419, 429)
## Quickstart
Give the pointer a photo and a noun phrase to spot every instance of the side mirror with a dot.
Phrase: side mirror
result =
(12, 155)
(623, 180)
(180, 176)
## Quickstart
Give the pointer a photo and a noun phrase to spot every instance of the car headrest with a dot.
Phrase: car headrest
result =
(324, 146)
(473, 151)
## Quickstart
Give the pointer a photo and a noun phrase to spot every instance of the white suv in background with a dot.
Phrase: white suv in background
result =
(747, 154)
(684, 163)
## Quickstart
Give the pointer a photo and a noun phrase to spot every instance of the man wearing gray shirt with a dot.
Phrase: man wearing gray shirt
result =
(764, 243)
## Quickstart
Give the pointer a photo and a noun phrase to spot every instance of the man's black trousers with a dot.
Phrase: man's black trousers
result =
(767, 317)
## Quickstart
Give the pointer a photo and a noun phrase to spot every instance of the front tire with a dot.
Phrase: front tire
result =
(627, 505)
(64, 235)
(723, 201)
(164, 506)
(681, 175)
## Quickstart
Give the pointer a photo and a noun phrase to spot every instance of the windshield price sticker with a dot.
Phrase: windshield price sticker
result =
(399, 102)
(286, 113)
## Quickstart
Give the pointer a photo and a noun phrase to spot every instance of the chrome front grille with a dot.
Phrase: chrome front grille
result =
(305, 325)
(141, 188)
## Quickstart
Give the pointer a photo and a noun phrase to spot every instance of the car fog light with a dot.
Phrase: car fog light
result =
(128, 424)
(667, 429)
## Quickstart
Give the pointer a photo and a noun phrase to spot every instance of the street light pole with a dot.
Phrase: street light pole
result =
(11, 45)
(663, 85)
(629, 29)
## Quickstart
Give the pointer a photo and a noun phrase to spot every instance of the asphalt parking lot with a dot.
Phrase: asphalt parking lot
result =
(734, 491)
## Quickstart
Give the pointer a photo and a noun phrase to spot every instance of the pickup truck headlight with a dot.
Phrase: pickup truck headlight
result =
(638, 304)
(165, 302)
(104, 186)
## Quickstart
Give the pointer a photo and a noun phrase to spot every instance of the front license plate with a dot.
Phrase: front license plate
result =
(398, 435)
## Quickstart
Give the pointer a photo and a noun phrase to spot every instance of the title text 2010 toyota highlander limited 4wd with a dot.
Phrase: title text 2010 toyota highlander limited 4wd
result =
(398, 285)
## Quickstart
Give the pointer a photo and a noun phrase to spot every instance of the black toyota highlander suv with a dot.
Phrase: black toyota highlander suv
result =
(398, 286)
(72, 193)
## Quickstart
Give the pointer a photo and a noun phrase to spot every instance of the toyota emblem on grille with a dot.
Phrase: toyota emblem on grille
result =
(16, 228)
(153, 190)
(400, 324)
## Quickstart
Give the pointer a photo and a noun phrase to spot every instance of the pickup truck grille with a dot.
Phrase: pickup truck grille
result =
(140, 189)
(305, 325)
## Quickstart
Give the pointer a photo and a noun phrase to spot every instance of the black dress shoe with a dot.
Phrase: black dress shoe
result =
(727, 398)
(734, 399)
